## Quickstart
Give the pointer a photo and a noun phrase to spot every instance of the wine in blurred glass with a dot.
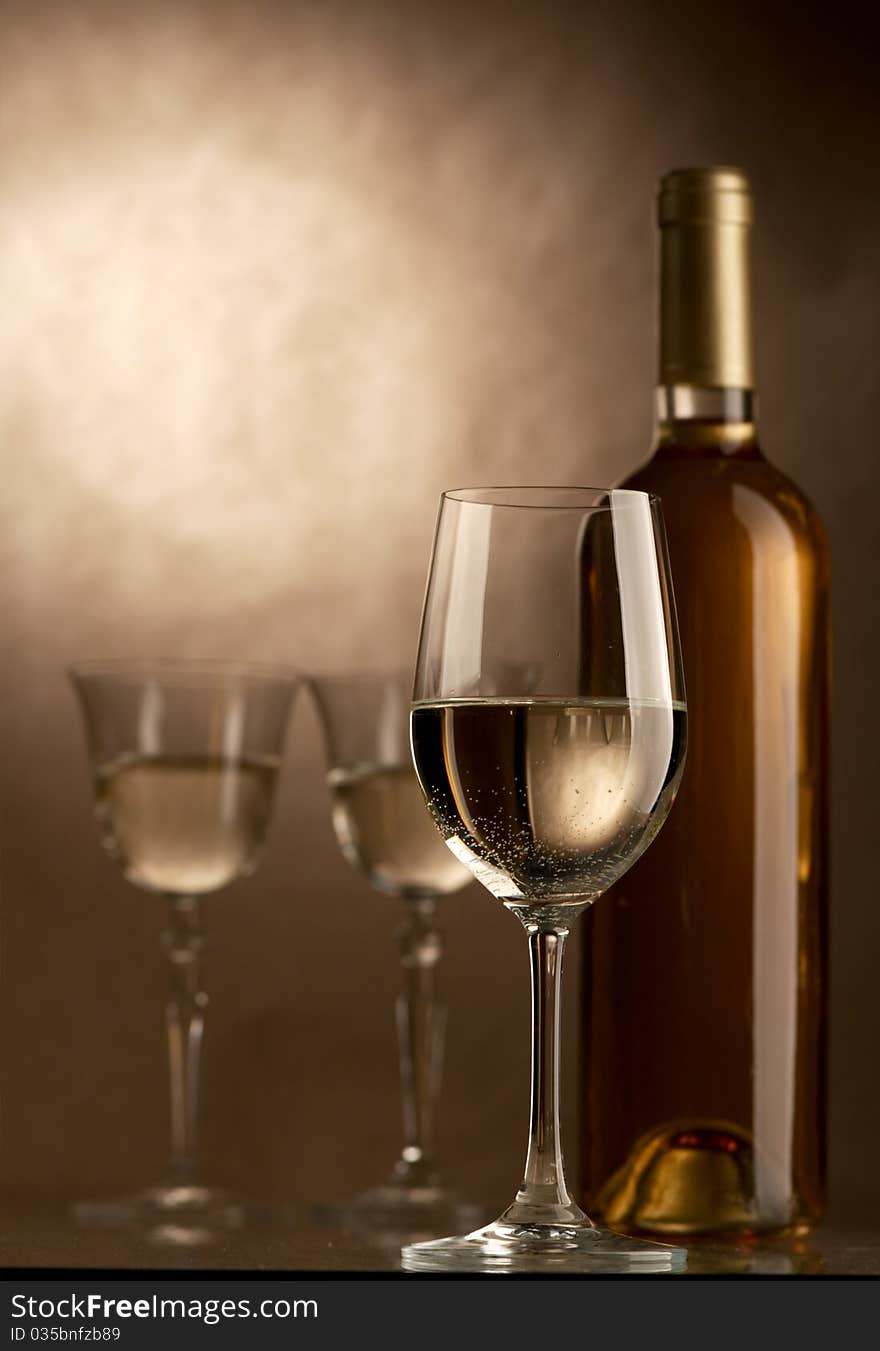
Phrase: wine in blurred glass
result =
(385, 832)
(184, 824)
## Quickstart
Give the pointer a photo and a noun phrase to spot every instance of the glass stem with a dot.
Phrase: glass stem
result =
(543, 1197)
(420, 1029)
(185, 1017)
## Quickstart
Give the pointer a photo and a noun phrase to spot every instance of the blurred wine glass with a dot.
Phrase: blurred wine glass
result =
(386, 833)
(184, 759)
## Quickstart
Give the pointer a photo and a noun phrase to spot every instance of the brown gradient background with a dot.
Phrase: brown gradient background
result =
(274, 275)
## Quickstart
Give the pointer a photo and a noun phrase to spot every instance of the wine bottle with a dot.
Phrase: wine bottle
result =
(705, 967)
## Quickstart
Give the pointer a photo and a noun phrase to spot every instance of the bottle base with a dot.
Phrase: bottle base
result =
(698, 1178)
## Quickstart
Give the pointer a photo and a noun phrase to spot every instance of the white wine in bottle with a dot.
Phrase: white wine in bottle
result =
(705, 967)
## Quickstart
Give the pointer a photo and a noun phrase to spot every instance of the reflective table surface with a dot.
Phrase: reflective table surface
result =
(47, 1237)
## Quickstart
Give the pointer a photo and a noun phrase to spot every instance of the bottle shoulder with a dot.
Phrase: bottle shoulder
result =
(697, 491)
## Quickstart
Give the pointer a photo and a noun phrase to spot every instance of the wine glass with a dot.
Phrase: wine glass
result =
(385, 834)
(548, 793)
(185, 757)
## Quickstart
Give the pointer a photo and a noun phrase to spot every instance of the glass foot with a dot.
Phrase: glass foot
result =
(398, 1208)
(184, 1214)
(542, 1248)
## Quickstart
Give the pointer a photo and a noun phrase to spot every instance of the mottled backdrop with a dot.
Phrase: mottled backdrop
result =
(272, 276)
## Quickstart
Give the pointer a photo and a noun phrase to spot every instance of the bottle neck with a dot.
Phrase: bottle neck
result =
(706, 368)
(708, 421)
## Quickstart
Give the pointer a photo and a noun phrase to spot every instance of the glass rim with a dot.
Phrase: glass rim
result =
(367, 676)
(518, 493)
(134, 670)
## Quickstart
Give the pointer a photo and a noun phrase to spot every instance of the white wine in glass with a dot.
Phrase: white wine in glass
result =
(184, 824)
(586, 787)
(384, 831)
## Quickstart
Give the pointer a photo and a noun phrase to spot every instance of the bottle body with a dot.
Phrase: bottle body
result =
(705, 969)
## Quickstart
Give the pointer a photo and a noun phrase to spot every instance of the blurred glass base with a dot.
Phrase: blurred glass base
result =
(396, 1209)
(185, 1215)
